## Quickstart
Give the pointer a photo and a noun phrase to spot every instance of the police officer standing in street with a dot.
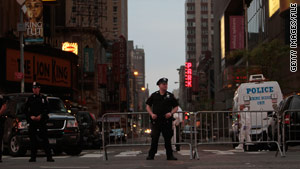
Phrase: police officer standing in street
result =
(161, 105)
(37, 115)
(2, 120)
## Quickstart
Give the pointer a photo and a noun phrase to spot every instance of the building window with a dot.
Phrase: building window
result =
(115, 9)
(74, 9)
(115, 19)
(204, 8)
(73, 20)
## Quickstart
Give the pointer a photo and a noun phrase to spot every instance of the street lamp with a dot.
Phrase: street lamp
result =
(135, 73)
(143, 88)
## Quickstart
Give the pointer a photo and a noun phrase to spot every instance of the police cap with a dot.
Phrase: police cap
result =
(36, 85)
(162, 80)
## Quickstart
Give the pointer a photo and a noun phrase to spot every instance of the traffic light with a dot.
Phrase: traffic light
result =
(186, 115)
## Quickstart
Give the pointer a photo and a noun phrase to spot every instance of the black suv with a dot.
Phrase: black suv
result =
(63, 131)
(291, 119)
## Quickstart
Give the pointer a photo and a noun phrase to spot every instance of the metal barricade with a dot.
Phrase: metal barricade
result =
(227, 127)
(129, 129)
(290, 129)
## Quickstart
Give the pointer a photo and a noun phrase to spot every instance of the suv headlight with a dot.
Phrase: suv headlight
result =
(22, 125)
(72, 123)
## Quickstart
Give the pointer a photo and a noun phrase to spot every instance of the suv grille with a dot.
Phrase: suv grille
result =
(55, 124)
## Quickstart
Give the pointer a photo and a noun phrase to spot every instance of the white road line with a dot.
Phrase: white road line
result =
(184, 152)
(72, 167)
(128, 154)
(91, 156)
(58, 157)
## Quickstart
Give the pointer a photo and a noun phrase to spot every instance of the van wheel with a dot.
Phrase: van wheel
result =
(15, 148)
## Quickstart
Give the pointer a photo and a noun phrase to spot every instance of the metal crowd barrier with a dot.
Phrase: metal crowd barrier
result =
(133, 129)
(224, 127)
(290, 129)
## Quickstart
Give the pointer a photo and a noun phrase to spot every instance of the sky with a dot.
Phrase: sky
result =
(157, 26)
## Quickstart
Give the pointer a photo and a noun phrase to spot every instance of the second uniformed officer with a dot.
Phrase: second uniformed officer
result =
(161, 105)
(37, 116)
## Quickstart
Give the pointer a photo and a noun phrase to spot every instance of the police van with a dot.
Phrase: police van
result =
(257, 95)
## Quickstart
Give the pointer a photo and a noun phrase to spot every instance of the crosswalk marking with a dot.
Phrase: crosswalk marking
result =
(91, 156)
(99, 154)
(128, 154)
(184, 152)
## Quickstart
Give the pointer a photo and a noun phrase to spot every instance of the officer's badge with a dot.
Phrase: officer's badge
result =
(168, 96)
(43, 101)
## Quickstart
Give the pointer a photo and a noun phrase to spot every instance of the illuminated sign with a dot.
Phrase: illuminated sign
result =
(70, 47)
(222, 40)
(273, 7)
(45, 69)
(188, 74)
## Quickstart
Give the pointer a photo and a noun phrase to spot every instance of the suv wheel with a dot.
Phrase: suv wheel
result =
(74, 151)
(14, 147)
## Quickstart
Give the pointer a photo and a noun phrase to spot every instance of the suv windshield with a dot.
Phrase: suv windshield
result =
(295, 105)
(56, 105)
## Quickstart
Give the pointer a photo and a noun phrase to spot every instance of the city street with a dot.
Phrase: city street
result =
(133, 158)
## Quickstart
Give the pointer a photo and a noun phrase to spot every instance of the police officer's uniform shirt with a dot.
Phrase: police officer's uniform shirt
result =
(162, 104)
(37, 105)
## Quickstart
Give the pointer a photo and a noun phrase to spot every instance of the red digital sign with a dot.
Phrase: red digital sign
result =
(188, 74)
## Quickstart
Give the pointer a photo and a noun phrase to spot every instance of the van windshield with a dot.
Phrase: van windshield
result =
(56, 106)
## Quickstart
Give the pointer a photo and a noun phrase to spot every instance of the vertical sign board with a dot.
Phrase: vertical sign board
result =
(236, 32)
(188, 74)
(123, 67)
(274, 5)
(89, 60)
(222, 38)
(33, 19)
(102, 73)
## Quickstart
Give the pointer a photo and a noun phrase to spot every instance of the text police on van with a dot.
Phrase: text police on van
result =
(260, 90)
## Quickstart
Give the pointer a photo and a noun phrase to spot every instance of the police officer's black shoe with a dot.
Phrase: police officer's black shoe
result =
(32, 160)
(172, 158)
(150, 158)
(50, 159)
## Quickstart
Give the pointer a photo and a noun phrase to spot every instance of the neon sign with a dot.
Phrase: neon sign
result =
(70, 47)
(188, 74)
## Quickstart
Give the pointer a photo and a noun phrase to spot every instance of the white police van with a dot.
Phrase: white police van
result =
(257, 95)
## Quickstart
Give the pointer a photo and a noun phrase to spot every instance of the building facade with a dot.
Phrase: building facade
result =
(250, 23)
(199, 47)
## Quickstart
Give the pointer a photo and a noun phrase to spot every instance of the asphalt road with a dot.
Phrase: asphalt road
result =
(211, 157)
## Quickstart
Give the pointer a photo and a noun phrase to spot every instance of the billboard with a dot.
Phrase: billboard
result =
(33, 20)
(37, 67)
(236, 32)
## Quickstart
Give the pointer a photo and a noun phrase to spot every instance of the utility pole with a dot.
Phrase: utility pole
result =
(246, 37)
(22, 51)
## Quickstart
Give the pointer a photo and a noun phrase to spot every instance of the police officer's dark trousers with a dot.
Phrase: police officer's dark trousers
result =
(164, 127)
(41, 132)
